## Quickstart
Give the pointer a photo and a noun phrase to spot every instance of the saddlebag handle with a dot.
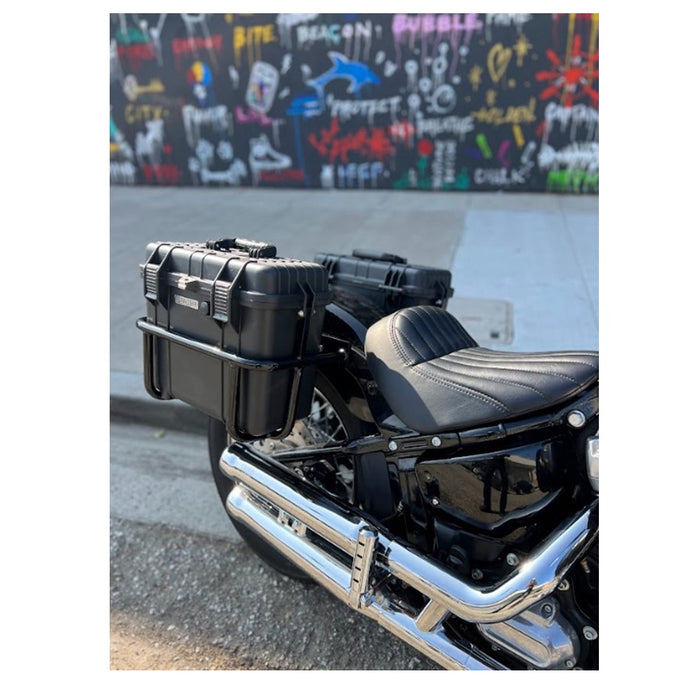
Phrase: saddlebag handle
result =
(256, 249)
(378, 255)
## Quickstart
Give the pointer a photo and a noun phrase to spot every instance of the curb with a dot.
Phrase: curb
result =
(130, 403)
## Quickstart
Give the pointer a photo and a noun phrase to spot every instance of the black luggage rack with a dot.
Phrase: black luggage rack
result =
(234, 332)
(235, 363)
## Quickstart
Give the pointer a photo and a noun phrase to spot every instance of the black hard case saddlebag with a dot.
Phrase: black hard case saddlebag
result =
(233, 333)
(375, 284)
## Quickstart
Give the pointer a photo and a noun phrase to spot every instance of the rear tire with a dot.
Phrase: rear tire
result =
(330, 420)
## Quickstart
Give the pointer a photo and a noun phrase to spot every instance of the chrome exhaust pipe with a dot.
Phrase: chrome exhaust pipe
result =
(285, 512)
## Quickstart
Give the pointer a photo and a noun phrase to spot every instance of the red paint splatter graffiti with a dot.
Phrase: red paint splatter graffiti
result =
(370, 143)
(288, 175)
(190, 46)
(571, 79)
(163, 174)
(136, 54)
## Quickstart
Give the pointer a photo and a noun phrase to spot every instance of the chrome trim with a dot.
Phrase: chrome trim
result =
(362, 566)
(592, 463)
(576, 419)
(540, 635)
(534, 579)
(431, 616)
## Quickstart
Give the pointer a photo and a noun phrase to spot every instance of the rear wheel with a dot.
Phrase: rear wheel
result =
(329, 421)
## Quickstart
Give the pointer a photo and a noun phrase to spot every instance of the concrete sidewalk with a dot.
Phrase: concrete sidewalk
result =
(524, 266)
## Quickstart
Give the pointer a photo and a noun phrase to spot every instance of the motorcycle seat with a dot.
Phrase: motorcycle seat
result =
(435, 377)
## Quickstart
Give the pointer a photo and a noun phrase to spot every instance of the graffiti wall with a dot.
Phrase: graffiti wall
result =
(437, 102)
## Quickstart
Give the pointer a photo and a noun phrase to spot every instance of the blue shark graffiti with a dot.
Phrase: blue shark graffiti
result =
(357, 74)
(309, 105)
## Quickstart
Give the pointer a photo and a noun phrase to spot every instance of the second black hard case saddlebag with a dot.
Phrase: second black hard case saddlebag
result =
(374, 284)
(232, 331)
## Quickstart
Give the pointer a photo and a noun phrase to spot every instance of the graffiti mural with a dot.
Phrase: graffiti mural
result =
(434, 102)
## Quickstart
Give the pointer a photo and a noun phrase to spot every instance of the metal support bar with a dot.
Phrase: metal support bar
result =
(244, 362)
(431, 616)
(362, 566)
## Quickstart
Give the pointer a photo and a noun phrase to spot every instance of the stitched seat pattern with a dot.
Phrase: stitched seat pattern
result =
(422, 333)
(434, 376)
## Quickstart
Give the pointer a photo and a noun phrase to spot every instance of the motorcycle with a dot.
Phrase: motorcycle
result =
(360, 438)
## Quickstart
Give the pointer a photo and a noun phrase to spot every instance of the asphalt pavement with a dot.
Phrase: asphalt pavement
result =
(186, 592)
(524, 266)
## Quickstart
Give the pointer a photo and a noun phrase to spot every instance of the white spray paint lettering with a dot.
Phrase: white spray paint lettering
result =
(578, 116)
(193, 118)
(575, 156)
(443, 164)
(286, 22)
(123, 173)
(346, 109)
(359, 174)
(505, 19)
(498, 177)
(456, 126)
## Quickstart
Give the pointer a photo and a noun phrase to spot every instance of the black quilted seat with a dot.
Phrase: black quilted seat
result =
(435, 377)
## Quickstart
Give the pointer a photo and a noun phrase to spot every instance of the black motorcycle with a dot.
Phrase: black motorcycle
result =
(359, 437)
